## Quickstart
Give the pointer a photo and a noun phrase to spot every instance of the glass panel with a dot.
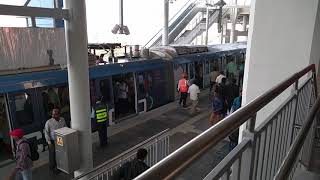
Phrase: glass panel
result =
(191, 66)
(207, 68)
(56, 97)
(124, 94)
(5, 144)
(151, 85)
(23, 109)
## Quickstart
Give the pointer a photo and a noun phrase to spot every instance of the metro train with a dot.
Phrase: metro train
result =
(27, 99)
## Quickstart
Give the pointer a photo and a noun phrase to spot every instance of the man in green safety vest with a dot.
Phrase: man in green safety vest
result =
(101, 117)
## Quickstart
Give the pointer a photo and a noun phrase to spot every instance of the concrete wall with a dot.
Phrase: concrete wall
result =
(27, 47)
(283, 39)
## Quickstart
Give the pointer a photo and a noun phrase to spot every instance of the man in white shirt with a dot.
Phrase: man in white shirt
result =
(219, 78)
(56, 122)
(194, 92)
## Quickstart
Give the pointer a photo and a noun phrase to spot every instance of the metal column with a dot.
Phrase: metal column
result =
(244, 24)
(207, 26)
(165, 35)
(121, 16)
(78, 77)
(233, 23)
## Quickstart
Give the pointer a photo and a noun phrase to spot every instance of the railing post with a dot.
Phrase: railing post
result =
(296, 92)
(248, 160)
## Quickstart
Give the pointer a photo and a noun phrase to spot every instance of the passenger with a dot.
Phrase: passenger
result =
(123, 97)
(134, 168)
(232, 91)
(23, 153)
(241, 73)
(100, 114)
(213, 76)
(231, 69)
(222, 91)
(234, 136)
(56, 122)
(217, 108)
(219, 78)
(54, 98)
(183, 89)
(194, 92)
(100, 59)
(28, 109)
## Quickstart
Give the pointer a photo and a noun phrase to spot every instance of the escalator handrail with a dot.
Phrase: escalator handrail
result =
(173, 19)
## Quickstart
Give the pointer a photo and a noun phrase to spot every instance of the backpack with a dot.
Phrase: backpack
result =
(33, 149)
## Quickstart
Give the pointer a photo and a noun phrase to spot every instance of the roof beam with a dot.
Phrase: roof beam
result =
(33, 11)
(27, 3)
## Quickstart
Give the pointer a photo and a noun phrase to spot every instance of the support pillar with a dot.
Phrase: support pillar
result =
(121, 16)
(78, 78)
(207, 27)
(233, 23)
(165, 35)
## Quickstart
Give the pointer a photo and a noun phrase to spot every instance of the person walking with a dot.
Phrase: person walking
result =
(194, 92)
(22, 170)
(232, 91)
(234, 136)
(183, 89)
(220, 77)
(217, 108)
(213, 76)
(134, 168)
(56, 122)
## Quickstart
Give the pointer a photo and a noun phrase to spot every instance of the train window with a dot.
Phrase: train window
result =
(5, 143)
(24, 109)
(105, 90)
(191, 75)
(207, 68)
(56, 97)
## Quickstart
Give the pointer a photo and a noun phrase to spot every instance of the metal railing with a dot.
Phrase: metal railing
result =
(173, 21)
(157, 147)
(262, 150)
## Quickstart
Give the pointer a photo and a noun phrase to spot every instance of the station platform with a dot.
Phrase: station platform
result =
(127, 133)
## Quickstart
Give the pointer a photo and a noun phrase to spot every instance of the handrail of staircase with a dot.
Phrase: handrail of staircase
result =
(173, 164)
(101, 166)
(171, 19)
(291, 157)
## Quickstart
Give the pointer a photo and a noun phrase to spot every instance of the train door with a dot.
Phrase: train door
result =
(206, 74)
(24, 111)
(191, 71)
(124, 93)
(5, 140)
(104, 90)
(54, 97)
(198, 77)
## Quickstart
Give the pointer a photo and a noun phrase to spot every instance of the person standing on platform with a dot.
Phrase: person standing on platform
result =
(231, 69)
(100, 113)
(217, 109)
(234, 136)
(194, 92)
(183, 89)
(220, 77)
(56, 122)
(23, 157)
(213, 76)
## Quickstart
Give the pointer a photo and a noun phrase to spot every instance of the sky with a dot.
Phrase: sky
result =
(143, 17)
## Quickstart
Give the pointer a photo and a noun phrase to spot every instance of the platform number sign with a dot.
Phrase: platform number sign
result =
(59, 141)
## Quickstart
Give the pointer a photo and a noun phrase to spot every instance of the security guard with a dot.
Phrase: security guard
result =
(101, 117)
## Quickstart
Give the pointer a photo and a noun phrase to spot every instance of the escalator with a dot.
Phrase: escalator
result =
(184, 16)
(189, 35)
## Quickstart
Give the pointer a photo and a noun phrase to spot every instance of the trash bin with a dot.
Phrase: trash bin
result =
(67, 150)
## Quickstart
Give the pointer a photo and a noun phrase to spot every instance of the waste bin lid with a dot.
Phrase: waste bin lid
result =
(64, 131)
